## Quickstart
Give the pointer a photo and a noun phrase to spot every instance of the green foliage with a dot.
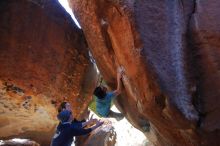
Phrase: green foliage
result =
(92, 106)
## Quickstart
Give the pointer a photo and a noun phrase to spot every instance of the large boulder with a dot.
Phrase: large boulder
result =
(170, 53)
(102, 136)
(44, 60)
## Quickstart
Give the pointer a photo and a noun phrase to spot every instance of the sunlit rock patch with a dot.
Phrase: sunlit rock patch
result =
(18, 142)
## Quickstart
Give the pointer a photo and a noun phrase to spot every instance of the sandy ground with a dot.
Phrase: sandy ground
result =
(127, 135)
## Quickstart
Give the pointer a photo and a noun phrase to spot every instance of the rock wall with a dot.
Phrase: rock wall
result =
(102, 136)
(43, 60)
(169, 50)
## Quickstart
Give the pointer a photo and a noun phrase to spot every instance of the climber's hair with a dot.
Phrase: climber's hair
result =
(99, 93)
(62, 106)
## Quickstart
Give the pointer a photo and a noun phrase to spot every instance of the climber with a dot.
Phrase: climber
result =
(104, 98)
(67, 130)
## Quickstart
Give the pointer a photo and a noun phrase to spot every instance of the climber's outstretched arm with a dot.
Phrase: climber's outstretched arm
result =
(119, 83)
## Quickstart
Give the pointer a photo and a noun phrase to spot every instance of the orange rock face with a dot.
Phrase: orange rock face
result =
(170, 52)
(43, 58)
(168, 49)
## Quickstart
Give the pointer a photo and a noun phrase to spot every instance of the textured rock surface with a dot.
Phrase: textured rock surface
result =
(169, 50)
(102, 136)
(43, 58)
(25, 116)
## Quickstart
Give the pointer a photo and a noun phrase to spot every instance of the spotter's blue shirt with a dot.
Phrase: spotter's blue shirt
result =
(65, 132)
(103, 105)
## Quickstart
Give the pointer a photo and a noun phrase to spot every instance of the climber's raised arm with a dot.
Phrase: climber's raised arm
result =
(119, 82)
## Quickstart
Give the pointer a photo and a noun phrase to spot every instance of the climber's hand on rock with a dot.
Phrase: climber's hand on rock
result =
(120, 71)
(99, 123)
(93, 120)
(119, 75)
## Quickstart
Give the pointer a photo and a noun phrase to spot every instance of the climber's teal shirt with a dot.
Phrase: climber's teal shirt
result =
(103, 105)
